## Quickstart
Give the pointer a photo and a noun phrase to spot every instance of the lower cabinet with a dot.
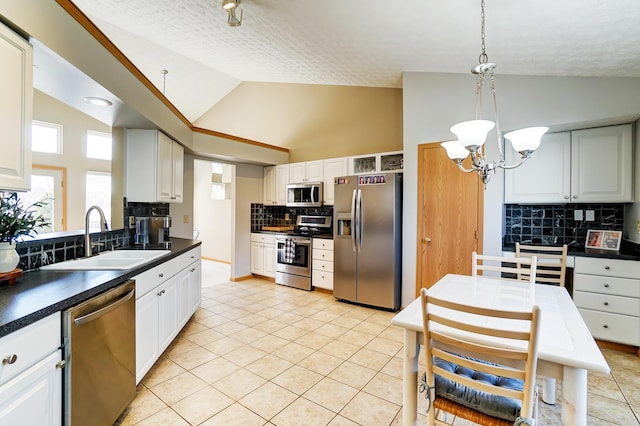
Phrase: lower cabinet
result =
(263, 254)
(322, 264)
(166, 297)
(31, 375)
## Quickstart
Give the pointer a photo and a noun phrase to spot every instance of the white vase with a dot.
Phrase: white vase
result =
(9, 258)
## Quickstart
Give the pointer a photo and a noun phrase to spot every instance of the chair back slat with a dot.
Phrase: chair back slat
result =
(519, 268)
(551, 265)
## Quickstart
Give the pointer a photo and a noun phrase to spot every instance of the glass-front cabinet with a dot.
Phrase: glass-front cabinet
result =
(374, 163)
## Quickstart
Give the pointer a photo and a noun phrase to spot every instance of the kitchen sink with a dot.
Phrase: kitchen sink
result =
(115, 260)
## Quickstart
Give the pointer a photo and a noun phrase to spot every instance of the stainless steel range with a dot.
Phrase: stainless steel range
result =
(294, 249)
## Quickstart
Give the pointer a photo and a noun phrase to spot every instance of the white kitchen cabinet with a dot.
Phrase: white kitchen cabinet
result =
(276, 179)
(607, 294)
(308, 171)
(376, 163)
(322, 263)
(333, 168)
(16, 104)
(582, 166)
(263, 254)
(166, 297)
(31, 382)
(154, 167)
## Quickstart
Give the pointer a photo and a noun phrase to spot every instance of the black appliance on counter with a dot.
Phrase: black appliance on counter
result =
(294, 250)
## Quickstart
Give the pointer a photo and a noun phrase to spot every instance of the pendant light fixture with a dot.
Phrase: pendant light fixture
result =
(473, 134)
(235, 12)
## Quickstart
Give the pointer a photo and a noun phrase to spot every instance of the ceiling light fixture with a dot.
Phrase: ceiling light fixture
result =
(473, 134)
(235, 12)
(97, 101)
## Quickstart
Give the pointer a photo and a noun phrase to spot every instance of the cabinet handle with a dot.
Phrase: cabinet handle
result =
(575, 197)
(161, 292)
(61, 364)
(605, 326)
(160, 275)
(606, 303)
(606, 286)
(10, 359)
(193, 269)
(566, 197)
(607, 268)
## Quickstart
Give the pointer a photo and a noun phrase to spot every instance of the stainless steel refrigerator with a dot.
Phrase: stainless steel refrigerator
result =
(368, 239)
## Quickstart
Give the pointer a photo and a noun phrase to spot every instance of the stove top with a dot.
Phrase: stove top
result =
(312, 226)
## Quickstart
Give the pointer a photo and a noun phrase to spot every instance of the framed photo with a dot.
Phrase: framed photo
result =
(603, 240)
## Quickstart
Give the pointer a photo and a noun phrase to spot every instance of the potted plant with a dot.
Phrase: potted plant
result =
(16, 220)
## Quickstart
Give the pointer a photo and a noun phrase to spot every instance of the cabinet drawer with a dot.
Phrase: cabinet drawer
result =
(606, 285)
(612, 327)
(152, 278)
(608, 267)
(322, 279)
(188, 258)
(263, 238)
(29, 344)
(326, 255)
(322, 265)
(607, 303)
(323, 244)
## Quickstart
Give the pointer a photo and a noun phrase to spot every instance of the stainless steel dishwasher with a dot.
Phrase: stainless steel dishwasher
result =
(100, 350)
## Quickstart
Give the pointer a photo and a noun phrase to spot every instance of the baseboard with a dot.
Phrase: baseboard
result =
(215, 260)
(602, 344)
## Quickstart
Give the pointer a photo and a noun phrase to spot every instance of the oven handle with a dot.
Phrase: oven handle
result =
(104, 310)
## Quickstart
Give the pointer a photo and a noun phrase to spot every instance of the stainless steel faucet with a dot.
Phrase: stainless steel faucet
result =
(88, 247)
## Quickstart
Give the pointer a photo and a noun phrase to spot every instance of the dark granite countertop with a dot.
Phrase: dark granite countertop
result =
(38, 294)
(628, 251)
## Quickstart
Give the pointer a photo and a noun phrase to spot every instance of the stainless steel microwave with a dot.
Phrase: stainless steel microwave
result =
(304, 194)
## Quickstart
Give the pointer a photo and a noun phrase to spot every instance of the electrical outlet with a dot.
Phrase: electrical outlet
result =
(577, 215)
(132, 221)
(286, 216)
(186, 218)
(590, 216)
(638, 226)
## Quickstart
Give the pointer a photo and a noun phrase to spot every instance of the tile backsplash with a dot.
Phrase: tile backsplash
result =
(556, 225)
(262, 215)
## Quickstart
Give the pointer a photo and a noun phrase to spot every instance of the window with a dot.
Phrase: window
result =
(46, 137)
(219, 184)
(47, 184)
(98, 145)
(98, 194)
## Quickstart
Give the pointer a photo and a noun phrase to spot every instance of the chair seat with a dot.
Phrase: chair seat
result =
(492, 405)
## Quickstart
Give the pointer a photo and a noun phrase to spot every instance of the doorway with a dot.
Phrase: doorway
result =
(48, 183)
(450, 206)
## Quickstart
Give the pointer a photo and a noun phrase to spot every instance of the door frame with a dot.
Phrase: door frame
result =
(63, 189)
(421, 210)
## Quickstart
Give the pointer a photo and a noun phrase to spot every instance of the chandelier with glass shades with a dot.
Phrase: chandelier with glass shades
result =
(473, 134)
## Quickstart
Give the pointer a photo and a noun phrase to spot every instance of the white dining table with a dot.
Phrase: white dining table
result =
(566, 352)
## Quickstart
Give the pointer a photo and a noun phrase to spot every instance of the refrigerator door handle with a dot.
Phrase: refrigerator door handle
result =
(359, 219)
(353, 221)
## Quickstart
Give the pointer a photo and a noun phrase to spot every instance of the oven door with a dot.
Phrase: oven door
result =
(293, 255)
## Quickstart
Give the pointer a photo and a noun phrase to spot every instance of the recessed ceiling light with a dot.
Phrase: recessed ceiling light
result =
(98, 101)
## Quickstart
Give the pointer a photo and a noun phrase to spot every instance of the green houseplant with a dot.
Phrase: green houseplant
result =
(16, 220)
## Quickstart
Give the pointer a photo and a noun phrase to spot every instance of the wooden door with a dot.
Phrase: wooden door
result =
(450, 205)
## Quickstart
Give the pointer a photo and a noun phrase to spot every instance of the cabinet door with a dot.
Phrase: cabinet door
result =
(165, 168)
(269, 259)
(282, 180)
(16, 99)
(257, 258)
(146, 333)
(545, 177)
(297, 172)
(183, 280)
(602, 164)
(315, 171)
(177, 152)
(333, 168)
(269, 186)
(167, 313)
(195, 286)
(35, 396)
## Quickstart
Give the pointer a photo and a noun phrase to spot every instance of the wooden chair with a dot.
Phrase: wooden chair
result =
(551, 269)
(523, 268)
(551, 265)
(455, 352)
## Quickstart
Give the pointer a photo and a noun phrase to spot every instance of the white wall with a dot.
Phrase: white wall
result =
(632, 211)
(432, 102)
(247, 190)
(212, 218)
(182, 213)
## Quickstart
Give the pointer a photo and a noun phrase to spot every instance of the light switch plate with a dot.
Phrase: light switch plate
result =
(577, 215)
(590, 216)
(132, 221)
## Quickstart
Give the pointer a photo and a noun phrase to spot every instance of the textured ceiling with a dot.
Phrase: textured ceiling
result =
(362, 42)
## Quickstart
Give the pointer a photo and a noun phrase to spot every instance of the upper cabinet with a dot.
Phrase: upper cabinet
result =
(308, 171)
(375, 163)
(276, 179)
(333, 168)
(16, 100)
(582, 166)
(154, 167)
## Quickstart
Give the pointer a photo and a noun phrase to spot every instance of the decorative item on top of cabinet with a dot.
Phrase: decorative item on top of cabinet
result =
(16, 103)
(581, 166)
(308, 171)
(276, 179)
(333, 168)
(263, 254)
(607, 294)
(322, 263)
(155, 167)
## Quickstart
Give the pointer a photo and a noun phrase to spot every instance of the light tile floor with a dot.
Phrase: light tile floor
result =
(257, 353)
